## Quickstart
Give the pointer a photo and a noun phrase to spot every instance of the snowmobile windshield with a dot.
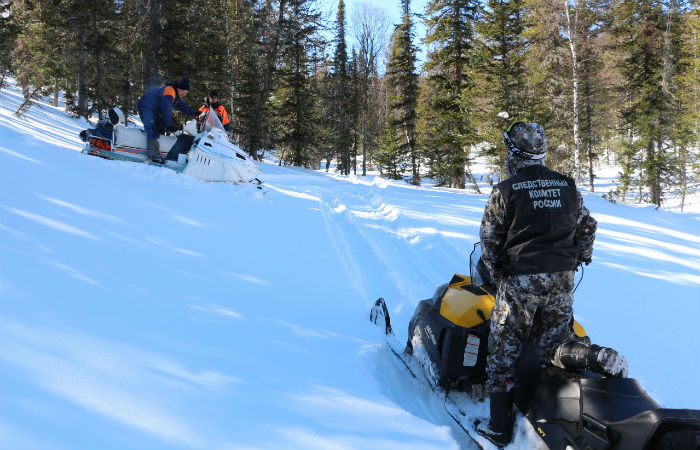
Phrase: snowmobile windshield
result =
(477, 269)
(210, 121)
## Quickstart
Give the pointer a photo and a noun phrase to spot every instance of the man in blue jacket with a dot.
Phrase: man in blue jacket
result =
(156, 111)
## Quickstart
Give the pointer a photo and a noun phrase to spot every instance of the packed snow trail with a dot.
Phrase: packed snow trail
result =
(141, 308)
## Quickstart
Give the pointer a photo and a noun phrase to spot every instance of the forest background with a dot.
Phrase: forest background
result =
(612, 81)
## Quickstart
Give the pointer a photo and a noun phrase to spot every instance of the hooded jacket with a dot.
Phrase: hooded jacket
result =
(161, 101)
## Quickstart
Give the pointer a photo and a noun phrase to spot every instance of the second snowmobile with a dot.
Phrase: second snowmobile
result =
(206, 153)
(568, 409)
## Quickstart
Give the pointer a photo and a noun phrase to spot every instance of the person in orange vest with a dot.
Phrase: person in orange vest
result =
(212, 103)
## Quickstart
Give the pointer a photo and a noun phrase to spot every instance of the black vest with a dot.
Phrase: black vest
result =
(541, 209)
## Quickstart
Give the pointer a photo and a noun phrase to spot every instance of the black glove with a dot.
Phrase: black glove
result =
(197, 114)
(175, 126)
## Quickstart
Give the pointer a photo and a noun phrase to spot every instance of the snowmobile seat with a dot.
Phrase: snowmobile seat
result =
(135, 138)
(585, 410)
(182, 146)
(102, 130)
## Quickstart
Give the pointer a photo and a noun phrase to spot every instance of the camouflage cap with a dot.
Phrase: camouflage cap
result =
(529, 137)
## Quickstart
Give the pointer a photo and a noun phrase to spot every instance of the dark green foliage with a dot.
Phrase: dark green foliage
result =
(390, 157)
(449, 130)
(650, 42)
(9, 29)
(295, 108)
(402, 86)
(502, 80)
(341, 93)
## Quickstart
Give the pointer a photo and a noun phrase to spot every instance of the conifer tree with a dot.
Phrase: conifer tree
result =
(295, 98)
(270, 39)
(549, 79)
(502, 74)
(648, 50)
(450, 136)
(9, 29)
(685, 132)
(356, 106)
(596, 101)
(585, 22)
(402, 83)
(247, 75)
(39, 45)
(325, 105)
(341, 94)
(194, 31)
(390, 157)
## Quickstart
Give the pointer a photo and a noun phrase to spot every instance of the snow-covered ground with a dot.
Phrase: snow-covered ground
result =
(141, 308)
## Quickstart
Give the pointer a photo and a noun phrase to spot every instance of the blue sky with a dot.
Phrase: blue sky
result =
(393, 12)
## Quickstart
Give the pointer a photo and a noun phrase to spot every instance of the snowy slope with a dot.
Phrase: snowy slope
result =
(141, 308)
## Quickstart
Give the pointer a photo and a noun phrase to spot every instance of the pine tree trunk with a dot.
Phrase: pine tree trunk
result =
(472, 179)
(25, 87)
(655, 175)
(28, 102)
(354, 155)
(55, 95)
(574, 69)
(681, 155)
(410, 142)
(626, 164)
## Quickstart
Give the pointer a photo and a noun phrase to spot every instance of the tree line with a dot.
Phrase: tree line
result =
(612, 81)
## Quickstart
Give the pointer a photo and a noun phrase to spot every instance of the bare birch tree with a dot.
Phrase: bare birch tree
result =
(370, 26)
(571, 28)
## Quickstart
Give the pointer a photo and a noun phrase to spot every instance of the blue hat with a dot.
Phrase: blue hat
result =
(184, 84)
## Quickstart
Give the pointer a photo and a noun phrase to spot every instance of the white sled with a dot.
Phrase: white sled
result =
(208, 155)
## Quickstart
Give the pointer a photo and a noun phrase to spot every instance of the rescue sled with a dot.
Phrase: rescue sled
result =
(569, 410)
(207, 155)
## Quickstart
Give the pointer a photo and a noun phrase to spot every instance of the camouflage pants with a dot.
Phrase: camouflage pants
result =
(535, 308)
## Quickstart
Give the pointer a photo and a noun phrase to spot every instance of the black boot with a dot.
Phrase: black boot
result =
(499, 429)
(575, 355)
(153, 151)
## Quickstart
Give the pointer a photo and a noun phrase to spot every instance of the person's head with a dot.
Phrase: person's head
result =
(183, 86)
(526, 145)
(213, 96)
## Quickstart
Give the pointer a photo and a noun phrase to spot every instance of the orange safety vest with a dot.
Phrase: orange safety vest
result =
(221, 111)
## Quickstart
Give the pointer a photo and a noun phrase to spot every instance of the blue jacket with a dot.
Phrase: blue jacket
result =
(161, 100)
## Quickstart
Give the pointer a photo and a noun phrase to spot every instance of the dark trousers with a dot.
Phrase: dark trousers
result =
(153, 124)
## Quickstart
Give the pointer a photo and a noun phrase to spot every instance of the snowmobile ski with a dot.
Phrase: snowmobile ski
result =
(379, 315)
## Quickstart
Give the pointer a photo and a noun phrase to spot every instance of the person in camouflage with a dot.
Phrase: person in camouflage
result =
(534, 232)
